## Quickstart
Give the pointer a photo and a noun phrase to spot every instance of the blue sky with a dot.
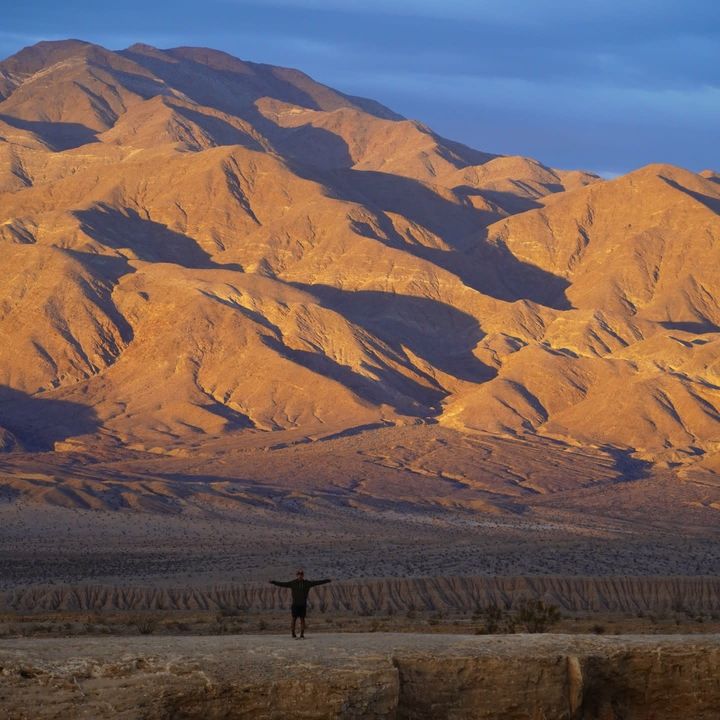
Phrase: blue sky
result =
(605, 85)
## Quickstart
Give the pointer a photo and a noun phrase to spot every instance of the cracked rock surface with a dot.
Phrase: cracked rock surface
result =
(401, 676)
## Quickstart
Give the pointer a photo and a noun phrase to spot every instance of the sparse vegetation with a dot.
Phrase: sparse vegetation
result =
(535, 616)
(146, 626)
(532, 616)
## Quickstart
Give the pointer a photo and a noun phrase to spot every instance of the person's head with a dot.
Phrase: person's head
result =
(300, 574)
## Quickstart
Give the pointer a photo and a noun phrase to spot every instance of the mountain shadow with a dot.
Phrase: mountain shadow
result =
(58, 135)
(709, 202)
(489, 268)
(389, 387)
(221, 132)
(699, 327)
(219, 80)
(454, 222)
(39, 422)
(512, 204)
(436, 332)
(149, 240)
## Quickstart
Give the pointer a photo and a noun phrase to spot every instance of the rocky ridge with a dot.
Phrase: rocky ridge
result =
(199, 247)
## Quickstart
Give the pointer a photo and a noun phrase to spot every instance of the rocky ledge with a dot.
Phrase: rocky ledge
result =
(401, 676)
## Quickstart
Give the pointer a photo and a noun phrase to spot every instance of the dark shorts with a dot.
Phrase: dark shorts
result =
(298, 611)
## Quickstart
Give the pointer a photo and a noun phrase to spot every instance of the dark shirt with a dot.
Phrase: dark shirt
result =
(299, 588)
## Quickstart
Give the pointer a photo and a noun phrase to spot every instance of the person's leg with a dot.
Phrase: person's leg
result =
(302, 626)
(292, 627)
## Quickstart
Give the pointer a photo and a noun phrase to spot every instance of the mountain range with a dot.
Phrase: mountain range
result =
(197, 248)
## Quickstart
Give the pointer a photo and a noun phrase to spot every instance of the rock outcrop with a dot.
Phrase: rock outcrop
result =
(373, 677)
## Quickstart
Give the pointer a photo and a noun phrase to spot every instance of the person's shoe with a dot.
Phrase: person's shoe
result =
(294, 636)
(302, 637)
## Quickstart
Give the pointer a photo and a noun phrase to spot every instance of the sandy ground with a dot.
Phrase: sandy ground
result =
(396, 502)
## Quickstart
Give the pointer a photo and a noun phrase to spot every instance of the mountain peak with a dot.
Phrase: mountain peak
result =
(200, 245)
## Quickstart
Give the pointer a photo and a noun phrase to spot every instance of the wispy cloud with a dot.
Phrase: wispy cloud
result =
(593, 83)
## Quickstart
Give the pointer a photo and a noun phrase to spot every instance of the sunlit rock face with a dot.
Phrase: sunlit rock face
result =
(197, 247)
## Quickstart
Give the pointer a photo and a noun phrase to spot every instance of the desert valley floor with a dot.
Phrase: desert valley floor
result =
(249, 322)
(415, 501)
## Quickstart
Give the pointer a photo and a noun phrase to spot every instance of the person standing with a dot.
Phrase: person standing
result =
(300, 588)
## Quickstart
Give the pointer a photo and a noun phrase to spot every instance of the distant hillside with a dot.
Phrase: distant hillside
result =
(198, 247)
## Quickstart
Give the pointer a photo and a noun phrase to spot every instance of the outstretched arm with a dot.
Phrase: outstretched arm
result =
(280, 584)
(313, 583)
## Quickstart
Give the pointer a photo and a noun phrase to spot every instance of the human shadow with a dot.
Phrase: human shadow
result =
(58, 135)
(148, 240)
(38, 421)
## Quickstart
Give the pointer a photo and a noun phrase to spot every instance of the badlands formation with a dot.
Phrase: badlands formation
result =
(249, 321)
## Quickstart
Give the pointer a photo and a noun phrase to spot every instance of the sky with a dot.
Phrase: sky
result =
(601, 85)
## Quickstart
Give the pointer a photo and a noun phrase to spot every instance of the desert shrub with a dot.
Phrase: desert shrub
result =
(231, 612)
(179, 626)
(532, 616)
(598, 629)
(679, 608)
(536, 617)
(262, 625)
(494, 620)
(146, 626)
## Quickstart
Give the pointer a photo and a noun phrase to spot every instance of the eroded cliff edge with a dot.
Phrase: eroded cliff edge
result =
(611, 594)
(555, 677)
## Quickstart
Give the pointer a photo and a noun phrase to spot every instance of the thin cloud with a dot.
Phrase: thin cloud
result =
(597, 83)
(648, 14)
